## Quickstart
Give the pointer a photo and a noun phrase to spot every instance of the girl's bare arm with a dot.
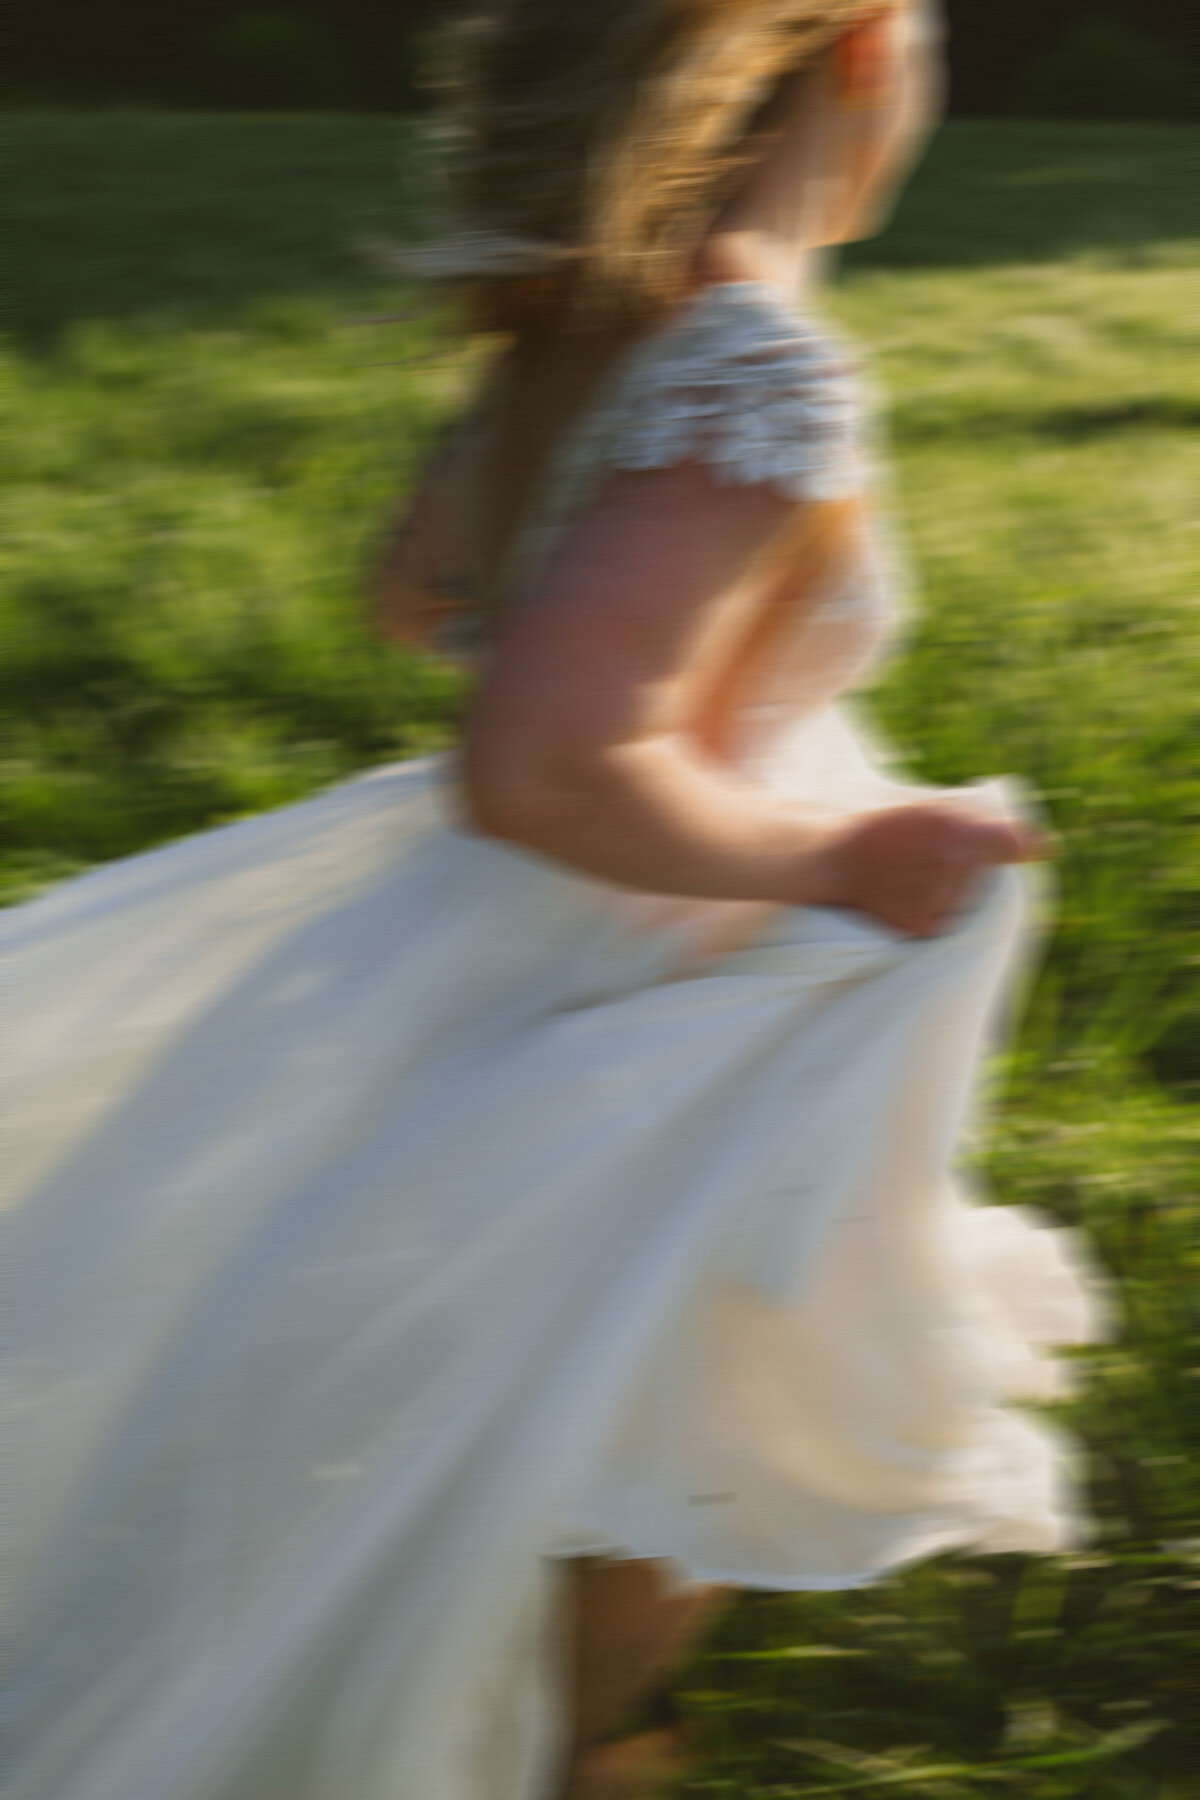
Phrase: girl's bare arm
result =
(591, 737)
(421, 585)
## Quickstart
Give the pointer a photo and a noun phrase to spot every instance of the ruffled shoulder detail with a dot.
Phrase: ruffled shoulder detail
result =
(745, 385)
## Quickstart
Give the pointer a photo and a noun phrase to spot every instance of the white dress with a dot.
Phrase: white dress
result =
(401, 1212)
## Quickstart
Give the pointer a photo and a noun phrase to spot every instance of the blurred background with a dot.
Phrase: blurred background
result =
(1120, 59)
(211, 413)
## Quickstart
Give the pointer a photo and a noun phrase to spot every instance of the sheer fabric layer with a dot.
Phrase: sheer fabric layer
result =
(427, 1218)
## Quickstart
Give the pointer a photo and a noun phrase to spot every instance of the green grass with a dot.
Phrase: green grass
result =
(204, 442)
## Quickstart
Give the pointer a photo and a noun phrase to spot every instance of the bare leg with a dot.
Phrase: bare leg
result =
(631, 1628)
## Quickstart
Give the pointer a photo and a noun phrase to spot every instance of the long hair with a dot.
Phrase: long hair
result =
(599, 141)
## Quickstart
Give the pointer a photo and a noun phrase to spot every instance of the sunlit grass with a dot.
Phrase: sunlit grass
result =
(187, 514)
(203, 441)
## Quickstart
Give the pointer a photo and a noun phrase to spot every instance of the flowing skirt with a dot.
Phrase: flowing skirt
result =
(401, 1212)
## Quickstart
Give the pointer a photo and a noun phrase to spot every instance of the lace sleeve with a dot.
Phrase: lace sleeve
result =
(746, 386)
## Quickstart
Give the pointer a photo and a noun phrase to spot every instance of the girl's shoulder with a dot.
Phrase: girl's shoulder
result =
(739, 380)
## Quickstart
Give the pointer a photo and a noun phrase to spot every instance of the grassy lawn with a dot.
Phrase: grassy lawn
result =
(207, 432)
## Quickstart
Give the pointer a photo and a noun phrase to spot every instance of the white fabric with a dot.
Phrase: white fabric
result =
(749, 387)
(402, 1211)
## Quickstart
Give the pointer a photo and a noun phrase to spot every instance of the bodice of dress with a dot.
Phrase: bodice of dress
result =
(758, 393)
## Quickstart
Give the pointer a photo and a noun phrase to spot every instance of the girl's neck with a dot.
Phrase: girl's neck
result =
(746, 254)
(775, 228)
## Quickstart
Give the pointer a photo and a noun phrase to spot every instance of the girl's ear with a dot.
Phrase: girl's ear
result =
(862, 58)
(885, 91)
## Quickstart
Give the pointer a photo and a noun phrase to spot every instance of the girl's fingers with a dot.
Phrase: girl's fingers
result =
(1012, 843)
(1041, 844)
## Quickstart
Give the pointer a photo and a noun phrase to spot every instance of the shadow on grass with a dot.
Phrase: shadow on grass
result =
(916, 423)
(190, 218)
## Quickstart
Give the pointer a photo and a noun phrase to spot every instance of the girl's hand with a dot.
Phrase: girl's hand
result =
(911, 867)
(420, 589)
